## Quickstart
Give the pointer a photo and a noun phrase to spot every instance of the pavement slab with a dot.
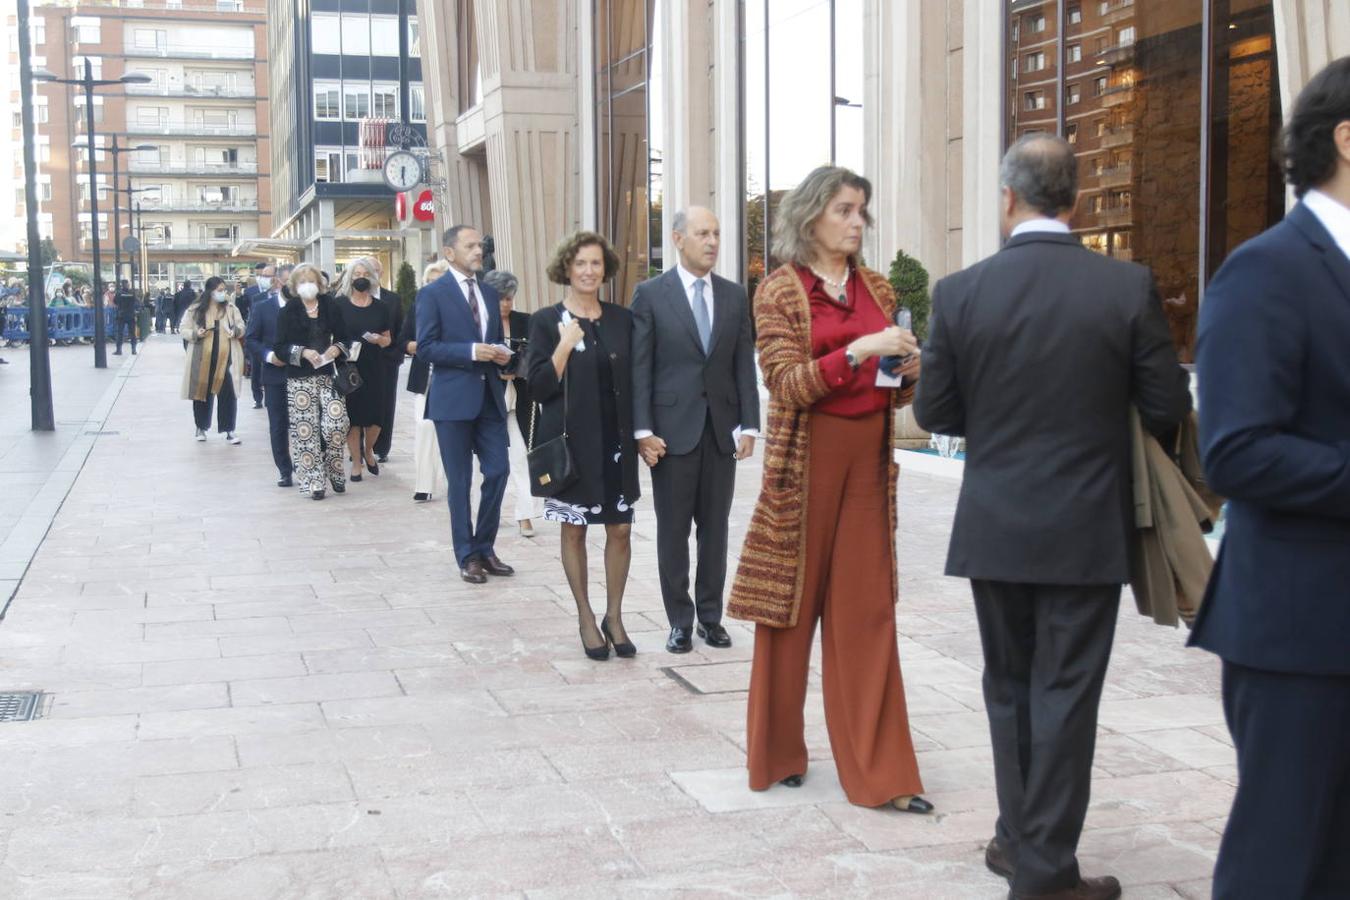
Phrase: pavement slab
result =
(250, 694)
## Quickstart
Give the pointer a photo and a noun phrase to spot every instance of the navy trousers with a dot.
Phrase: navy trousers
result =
(484, 436)
(255, 364)
(1289, 832)
(278, 423)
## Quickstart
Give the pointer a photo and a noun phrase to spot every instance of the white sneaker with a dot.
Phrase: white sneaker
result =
(201, 435)
(232, 437)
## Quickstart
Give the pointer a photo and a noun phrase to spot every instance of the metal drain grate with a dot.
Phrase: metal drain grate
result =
(19, 706)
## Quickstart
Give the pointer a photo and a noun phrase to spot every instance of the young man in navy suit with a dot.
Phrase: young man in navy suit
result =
(269, 376)
(253, 295)
(1274, 377)
(459, 331)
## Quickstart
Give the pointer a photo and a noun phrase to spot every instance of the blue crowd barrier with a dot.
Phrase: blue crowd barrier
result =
(64, 323)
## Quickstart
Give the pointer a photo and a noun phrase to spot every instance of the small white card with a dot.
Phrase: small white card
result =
(887, 381)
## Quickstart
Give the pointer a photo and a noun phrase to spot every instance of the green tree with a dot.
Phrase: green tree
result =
(49, 252)
(405, 285)
(910, 280)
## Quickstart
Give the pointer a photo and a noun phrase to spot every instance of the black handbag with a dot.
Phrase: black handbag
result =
(346, 380)
(552, 469)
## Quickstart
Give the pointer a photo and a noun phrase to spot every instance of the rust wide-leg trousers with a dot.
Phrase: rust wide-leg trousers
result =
(848, 587)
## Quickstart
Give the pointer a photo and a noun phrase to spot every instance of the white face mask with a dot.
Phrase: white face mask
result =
(308, 290)
(220, 296)
(265, 282)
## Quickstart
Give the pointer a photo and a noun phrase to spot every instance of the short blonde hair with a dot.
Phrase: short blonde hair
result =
(803, 205)
(307, 269)
(434, 271)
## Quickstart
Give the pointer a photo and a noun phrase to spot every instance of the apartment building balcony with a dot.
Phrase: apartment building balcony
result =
(189, 169)
(1118, 137)
(254, 7)
(190, 245)
(1117, 12)
(1115, 217)
(189, 92)
(199, 206)
(191, 129)
(187, 51)
(1120, 54)
(1117, 176)
(1118, 95)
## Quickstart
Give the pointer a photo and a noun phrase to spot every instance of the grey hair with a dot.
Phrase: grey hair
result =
(502, 281)
(369, 263)
(433, 271)
(452, 234)
(1042, 172)
(307, 268)
(680, 220)
(803, 205)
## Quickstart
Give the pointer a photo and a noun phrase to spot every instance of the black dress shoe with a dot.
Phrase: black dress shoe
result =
(996, 860)
(714, 634)
(382, 459)
(472, 572)
(1104, 888)
(494, 566)
(317, 495)
(679, 641)
(373, 469)
(622, 649)
(793, 781)
(257, 405)
(285, 481)
(915, 804)
(420, 497)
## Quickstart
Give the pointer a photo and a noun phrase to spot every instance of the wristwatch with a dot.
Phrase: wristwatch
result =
(853, 362)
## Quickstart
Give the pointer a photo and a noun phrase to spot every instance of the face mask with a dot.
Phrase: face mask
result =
(308, 291)
(265, 282)
(361, 284)
(220, 296)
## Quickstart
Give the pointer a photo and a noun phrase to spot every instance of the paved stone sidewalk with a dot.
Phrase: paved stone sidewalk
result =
(255, 695)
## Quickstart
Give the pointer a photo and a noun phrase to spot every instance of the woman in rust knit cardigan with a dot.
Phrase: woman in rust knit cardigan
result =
(821, 544)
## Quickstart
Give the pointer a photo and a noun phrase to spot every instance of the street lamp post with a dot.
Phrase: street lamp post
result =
(117, 151)
(42, 418)
(133, 212)
(89, 82)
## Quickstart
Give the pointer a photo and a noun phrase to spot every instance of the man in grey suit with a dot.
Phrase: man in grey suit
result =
(695, 413)
(1036, 355)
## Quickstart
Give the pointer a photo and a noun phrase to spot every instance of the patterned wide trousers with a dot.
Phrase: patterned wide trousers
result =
(319, 424)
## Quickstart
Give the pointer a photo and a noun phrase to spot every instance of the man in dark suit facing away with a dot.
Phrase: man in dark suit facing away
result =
(269, 374)
(1274, 377)
(459, 331)
(1036, 355)
(248, 300)
(695, 413)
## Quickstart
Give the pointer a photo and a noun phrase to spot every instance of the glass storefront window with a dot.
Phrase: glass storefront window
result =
(1158, 184)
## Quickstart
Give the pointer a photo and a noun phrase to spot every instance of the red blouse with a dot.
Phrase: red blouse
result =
(833, 327)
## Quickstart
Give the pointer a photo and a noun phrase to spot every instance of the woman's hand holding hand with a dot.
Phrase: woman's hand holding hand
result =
(892, 341)
(312, 357)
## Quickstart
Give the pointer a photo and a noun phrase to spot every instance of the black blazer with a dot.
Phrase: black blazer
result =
(394, 353)
(419, 372)
(1274, 381)
(1035, 355)
(294, 333)
(583, 405)
(520, 328)
(676, 386)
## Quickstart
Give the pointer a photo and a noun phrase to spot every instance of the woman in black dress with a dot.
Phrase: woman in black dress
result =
(368, 322)
(578, 367)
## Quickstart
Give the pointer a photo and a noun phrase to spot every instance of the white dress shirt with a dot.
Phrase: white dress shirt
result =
(1031, 226)
(1334, 217)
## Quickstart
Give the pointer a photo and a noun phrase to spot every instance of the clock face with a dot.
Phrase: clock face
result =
(402, 171)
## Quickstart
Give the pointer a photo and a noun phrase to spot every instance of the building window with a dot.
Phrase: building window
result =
(150, 38)
(1075, 53)
(1126, 37)
(384, 35)
(87, 29)
(355, 101)
(1075, 15)
(1033, 100)
(468, 75)
(152, 116)
(417, 103)
(1035, 24)
(414, 38)
(1071, 134)
(1099, 86)
(327, 100)
(325, 33)
(384, 100)
(1034, 62)
(355, 34)
(1072, 95)
(95, 66)
(328, 164)
(37, 31)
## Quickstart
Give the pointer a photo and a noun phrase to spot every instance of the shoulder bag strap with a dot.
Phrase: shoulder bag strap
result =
(534, 408)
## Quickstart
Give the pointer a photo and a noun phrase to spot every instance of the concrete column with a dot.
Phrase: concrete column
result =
(982, 133)
(326, 257)
(1309, 34)
(688, 48)
(725, 122)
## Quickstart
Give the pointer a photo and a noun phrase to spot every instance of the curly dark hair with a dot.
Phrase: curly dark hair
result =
(567, 251)
(1309, 147)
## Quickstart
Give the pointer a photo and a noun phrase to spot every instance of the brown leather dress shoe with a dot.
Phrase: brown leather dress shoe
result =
(1104, 888)
(996, 860)
(472, 571)
(494, 566)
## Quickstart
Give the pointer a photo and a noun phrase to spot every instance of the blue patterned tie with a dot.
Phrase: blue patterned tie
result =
(701, 317)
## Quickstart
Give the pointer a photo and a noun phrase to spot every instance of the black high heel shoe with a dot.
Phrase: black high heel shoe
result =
(624, 650)
(373, 468)
(792, 781)
(595, 653)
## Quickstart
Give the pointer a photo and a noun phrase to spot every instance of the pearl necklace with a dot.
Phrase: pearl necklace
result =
(840, 286)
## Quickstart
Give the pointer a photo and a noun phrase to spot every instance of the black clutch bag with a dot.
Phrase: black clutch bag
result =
(552, 469)
(346, 379)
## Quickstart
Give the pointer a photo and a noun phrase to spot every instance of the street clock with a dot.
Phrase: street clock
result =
(402, 171)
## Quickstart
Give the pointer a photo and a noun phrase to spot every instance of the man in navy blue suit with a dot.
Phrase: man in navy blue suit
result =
(459, 331)
(248, 301)
(1274, 370)
(269, 376)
